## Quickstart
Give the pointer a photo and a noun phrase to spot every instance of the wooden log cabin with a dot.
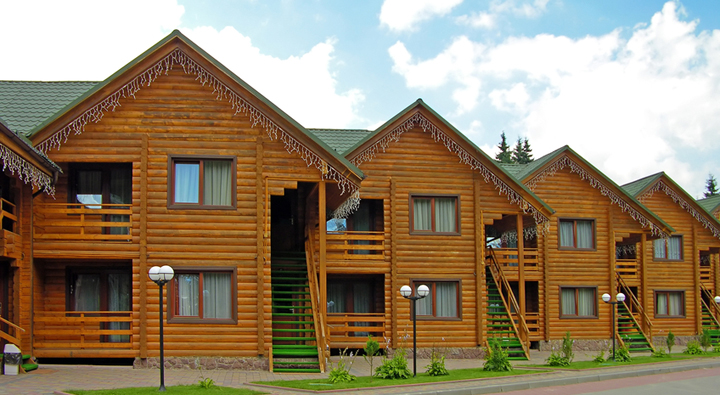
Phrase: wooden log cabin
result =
(287, 242)
(683, 279)
(595, 245)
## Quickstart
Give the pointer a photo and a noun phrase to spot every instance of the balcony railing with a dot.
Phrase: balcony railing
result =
(13, 333)
(82, 330)
(629, 269)
(355, 245)
(83, 222)
(706, 274)
(507, 258)
(352, 329)
(8, 217)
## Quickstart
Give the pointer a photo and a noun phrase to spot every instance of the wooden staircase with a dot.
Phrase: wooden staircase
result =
(500, 323)
(629, 331)
(710, 313)
(294, 343)
(28, 362)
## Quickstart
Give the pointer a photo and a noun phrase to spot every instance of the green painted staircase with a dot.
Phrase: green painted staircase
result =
(710, 324)
(499, 322)
(28, 363)
(630, 332)
(294, 347)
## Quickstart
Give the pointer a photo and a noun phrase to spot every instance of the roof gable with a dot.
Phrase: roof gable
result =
(546, 166)
(646, 187)
(176, 50)
(421, 115)
(31, 166)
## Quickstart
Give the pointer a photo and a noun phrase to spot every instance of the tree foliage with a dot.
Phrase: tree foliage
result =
(521, 153)
(711, 187)
(505, 155)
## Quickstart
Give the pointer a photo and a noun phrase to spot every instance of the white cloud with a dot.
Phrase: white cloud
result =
(303, 86)
(627, 105)
(482, 20)
(404, 15)
(488, 19)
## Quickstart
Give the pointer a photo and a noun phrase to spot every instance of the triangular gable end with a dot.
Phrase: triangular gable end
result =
(419, 114)
(665, 184)
(178, 51)
(561, 158)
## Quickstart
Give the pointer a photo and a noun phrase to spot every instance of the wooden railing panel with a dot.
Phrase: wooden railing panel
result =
(66, 221)
(81, 330)
(352, 329)
(14, 339)
(507, 258)
(629, 269)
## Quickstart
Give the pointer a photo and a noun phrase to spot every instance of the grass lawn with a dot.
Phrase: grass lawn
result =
(364, 381)
(636, 360)
(175, 389)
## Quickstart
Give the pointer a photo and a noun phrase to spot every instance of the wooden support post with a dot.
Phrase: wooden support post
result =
(546, 287)
(696, 274)
(260, 244)
(479, 265)
(322, 229)
(521, 264)
(393, 263)
(142, 266)
(643, 288)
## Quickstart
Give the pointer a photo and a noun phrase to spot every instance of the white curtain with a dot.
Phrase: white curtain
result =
(119, 300)
(674, 247)
(217, 295)
(567, 234)
(87, 292)
(446, 299)
(675, 303)
(217, 183)
(586, 302)
(584, 234)
(662, 306)
(445, 215)
(187, 183)
(422, 212)
(659, 248)
(188, 298)
(567, 299)
(424, 305)
(335, 298)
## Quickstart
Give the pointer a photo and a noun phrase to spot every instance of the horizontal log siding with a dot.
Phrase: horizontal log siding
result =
(673, 275)
(572, 197)
(182, 117)
(419, 165)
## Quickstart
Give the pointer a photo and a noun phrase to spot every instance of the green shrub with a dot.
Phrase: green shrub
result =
(693, 348)
(395, 367)
(705, 339)
(372, 348)
(557, 359)
(496, 359)
(341, 372)
(567, 345)
(660, 353)
(716, 348)
(437, 365)
(599, 357)
(622, 354)
(670, 341)
(206, 382)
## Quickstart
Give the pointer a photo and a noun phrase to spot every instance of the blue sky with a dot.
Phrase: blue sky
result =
(630, 85)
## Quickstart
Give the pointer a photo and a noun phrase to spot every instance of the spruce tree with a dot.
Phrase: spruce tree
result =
(528, 151)
(711, 186)
(522, 153)
(504, 156)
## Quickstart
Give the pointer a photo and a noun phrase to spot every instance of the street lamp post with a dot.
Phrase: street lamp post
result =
(619, 298)
(422, 291)
(161, 275)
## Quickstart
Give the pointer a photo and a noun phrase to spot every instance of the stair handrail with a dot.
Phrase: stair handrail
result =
(12, 339)
(715, 308)
(636, 304)
(497, 272)
(318, 316)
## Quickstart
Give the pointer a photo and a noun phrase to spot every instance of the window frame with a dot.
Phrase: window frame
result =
(105, 168)
(682, 250)
(432, 198)
(172, 305)
(667, 292)
(574, 247)
(414, 283)
(576, 316)
(173, 159)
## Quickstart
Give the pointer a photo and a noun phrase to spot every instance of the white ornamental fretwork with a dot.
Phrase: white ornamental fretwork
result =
(26, 171)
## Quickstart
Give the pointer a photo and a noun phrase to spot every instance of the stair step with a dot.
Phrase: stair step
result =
(293, 330)
(290, 300)
(293, 322)
(295, 370)
(295, 353)
(291, 338)
(292, 314)
(314, 363)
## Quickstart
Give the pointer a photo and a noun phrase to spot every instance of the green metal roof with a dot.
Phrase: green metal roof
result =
(710, 204)
(340, 139)
(636, 187)
(521, 171)
(26, 104)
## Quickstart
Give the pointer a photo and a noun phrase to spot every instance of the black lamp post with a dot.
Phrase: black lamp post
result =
(422, 292)
(161, 275)
(619, 298)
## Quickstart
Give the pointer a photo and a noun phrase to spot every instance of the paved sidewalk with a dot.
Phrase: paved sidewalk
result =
(51, 378)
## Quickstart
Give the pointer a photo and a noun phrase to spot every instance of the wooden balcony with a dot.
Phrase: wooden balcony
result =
(78, 222)
(90, 334)
(9, 239)
(352, 329)
(361, 252)
(629, 270)
(508, 260)
(706, 276)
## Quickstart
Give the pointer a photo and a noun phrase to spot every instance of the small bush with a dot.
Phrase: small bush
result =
(705, 339)
(437, 365)
(622, 354)
(556, 359)
(496, 359)
(341, 372)
(395, 367)
(567, 347)
(693, 348)
(599, 357)
(206, 382)
(670, 341)
(372, 348)
(660, 353)
(716, 348)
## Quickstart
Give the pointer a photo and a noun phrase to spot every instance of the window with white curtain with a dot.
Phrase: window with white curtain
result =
(578, 302)
(668, 249)
(202, 182)
(434, 214)
(443, 301)
(576, 234)
(203, 295)
(669, 304)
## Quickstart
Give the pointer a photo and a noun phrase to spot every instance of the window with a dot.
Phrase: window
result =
(578, 302)
(101, 289)
(434, 214)
(668, 249)
(202, 182)
(203, 295)
(442, 302)
(669, 304)
(577, 234)
(94, 184)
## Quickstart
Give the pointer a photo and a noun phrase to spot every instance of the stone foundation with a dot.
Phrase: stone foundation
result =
(680, 342)
(578, 345)
(204, 363)
(450, 353)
